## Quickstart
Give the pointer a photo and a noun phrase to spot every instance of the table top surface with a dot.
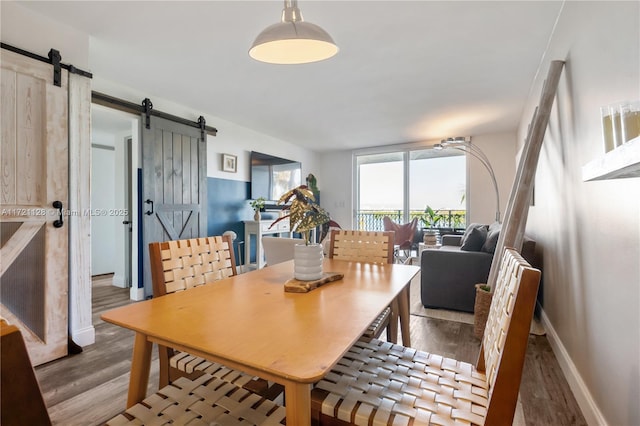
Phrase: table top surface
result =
(249, 320)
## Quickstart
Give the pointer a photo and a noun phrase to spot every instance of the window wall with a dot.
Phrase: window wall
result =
(402, 184)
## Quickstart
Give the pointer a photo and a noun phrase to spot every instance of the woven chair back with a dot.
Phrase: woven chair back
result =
(506, 333)
(182, 264)
(362, 246)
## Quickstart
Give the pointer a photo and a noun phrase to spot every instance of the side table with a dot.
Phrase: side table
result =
(260, 228)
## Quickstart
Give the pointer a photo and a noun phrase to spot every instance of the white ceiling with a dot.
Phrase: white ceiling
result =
(407, 70)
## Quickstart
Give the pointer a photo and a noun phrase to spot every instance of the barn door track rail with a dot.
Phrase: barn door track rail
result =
(54, 59)
(146, 108)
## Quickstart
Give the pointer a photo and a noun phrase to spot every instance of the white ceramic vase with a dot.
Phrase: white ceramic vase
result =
(307, 262)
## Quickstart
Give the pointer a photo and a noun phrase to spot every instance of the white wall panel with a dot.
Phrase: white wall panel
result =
(589, 232)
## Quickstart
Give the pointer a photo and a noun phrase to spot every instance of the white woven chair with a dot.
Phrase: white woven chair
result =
(206, 400)
(183, 264)
(388, 384)
(368, 247)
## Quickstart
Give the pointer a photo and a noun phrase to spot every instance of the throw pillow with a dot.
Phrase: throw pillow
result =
(491, 242)
(469, 229)
(475, 225)
(474, 240)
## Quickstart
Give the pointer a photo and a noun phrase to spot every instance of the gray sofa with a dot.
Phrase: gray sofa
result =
(449, 274)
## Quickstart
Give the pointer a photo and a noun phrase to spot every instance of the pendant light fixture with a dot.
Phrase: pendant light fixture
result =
(292, 41)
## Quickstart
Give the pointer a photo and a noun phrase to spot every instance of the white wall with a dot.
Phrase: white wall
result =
(335, 183)
(108, 202)
(231, 138)
(590, 231)
(501, 150)
(30, 31)
(103, 226)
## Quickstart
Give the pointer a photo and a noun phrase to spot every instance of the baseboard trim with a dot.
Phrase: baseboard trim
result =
(585, 400)
(136, 294)
(119, 281)
(84, 337)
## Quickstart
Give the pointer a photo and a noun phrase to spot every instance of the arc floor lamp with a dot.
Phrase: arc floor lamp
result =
(463, 145)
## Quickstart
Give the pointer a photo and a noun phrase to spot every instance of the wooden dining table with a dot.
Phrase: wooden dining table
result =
(248, 322)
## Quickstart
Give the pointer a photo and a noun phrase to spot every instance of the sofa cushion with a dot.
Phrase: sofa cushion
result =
(474, 239)
(471, 227)
(491, 241)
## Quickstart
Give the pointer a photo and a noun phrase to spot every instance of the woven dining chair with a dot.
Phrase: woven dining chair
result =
(183, 264)
(383, 383)
(368, 247)
(206, 400)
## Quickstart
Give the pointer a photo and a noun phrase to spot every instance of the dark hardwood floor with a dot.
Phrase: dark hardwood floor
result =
(91, 387)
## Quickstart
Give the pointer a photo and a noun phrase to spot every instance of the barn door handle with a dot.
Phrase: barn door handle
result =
(149, 213)
(59, 222)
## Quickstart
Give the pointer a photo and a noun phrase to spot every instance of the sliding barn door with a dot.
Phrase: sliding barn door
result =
(174, 185)
(34, 187)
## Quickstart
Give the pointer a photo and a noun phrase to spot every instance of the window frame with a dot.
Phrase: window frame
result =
(405, 150)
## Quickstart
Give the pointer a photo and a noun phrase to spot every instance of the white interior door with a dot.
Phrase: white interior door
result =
(34, 252)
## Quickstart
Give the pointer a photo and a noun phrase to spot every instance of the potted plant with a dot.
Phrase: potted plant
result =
(305, 215)
(430, 218)
(257, 205)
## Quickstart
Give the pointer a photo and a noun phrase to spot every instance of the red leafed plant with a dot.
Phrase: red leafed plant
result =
(304, 214)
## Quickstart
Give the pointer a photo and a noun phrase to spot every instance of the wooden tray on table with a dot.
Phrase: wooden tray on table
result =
(297, 286)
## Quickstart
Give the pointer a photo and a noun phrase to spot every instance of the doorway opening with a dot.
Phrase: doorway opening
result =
(114, 188)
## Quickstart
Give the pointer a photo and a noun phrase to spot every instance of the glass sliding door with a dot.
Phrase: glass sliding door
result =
(401, 184)
(438, 180)
(380, 187)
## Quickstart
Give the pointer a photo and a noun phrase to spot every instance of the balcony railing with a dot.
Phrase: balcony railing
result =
(371, 220)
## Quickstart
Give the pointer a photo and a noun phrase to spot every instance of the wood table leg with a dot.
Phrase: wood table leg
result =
(140, 368)
(403, 307)
(298, 397)
(393, 321)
